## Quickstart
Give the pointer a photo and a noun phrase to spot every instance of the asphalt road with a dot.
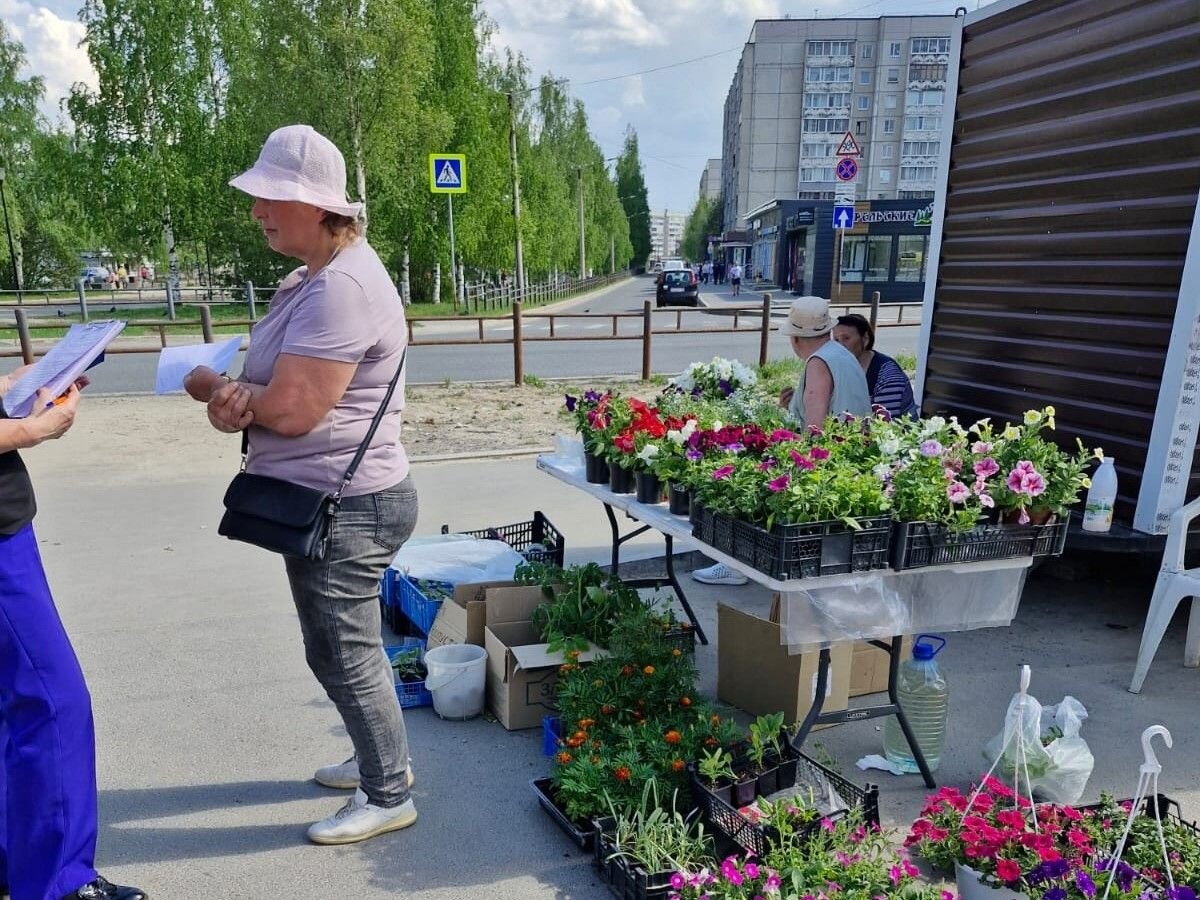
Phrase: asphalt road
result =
(134, 373)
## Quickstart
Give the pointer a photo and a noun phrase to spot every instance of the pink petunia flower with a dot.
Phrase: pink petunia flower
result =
(958, 492)
(777, 485)
(819, 453)
(1033, 484)
(981, 447)
(723, 472)
(986, 467)
(801, 461)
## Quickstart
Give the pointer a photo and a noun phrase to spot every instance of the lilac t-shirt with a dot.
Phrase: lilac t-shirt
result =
(349, 312)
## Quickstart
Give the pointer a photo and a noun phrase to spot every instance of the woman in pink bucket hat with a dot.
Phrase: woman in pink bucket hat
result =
(317, 370)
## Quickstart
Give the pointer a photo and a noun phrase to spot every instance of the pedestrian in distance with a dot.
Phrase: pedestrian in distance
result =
(735, 279)
(318, 366)
(706, 270)
(887, 382)
(48, 816)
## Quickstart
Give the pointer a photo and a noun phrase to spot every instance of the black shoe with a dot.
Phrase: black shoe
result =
(102, 889)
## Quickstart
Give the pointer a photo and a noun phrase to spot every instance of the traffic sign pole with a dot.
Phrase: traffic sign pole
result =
(453, 257)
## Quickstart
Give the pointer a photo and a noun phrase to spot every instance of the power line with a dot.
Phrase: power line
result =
(673, 65)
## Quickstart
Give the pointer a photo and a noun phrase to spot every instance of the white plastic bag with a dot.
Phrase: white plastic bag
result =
(1040, 750)
(458, 559)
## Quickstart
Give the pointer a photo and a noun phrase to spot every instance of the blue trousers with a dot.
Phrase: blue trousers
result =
(48, 779)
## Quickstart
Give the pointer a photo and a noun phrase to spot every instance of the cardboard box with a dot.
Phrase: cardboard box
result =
(463, 617)
(522, 674)
(756, 673)
(869, 667)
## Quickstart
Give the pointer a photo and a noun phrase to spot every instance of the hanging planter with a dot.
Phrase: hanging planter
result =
(970, 887)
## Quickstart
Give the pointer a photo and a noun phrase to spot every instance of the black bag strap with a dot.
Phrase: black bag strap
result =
(366, 441)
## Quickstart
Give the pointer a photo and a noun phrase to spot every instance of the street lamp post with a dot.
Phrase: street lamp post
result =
(12, 250)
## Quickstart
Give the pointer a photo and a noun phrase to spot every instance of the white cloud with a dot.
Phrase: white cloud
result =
(632, 95)
(52, 50)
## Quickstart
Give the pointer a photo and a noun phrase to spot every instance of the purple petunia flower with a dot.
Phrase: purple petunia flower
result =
(1181, 892)
(725, 386)
(572, 402)
(591, 396)
(694, 456)
(931, 448)
(1084, 882)
(1055, 894)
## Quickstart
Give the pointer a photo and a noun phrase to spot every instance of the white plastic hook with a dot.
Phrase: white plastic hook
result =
(1152, 766)
(1025, 679)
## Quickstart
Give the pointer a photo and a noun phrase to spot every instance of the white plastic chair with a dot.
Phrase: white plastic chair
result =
(1174, 584)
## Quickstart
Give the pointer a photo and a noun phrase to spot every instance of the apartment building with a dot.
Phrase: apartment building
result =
(666, 234)
(710, 180)
(802, 84)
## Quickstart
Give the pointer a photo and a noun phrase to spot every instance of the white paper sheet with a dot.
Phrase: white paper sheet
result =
(65, 361)
(175, 362)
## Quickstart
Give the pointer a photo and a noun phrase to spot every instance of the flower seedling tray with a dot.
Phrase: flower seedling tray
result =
(581, 834)
(916, 545)
(814, 549)
(411, 604)
(724, 819)
(626, 879)
(537, 540)
(411, 694)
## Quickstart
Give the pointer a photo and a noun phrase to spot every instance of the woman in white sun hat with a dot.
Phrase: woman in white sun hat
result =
(832, 383)
(318, 367)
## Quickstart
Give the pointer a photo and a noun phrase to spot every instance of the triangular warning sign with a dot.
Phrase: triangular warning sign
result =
(448, 177)
(849, 146)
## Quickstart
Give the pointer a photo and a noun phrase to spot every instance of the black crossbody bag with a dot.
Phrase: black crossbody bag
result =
(285, 517)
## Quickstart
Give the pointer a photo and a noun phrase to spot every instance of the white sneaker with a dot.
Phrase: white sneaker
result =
(719, 573)
(359, 820)
(344, 776)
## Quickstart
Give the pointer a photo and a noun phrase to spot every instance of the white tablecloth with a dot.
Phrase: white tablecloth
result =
(820, 612)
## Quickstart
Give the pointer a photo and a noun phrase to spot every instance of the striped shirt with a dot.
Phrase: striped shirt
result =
(890, 387)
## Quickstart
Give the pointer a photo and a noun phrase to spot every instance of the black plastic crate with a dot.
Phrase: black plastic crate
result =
(582, 835)
(724, 819)
(916, 545)
(537, 540)
(682, 637)
(702, 520)
(1167, 809)
(625, 879)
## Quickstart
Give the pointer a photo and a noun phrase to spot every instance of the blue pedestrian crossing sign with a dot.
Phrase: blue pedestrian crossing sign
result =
(843, 217)
(447, 173)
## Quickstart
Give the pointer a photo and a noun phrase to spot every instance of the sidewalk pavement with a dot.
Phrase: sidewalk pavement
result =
(209, 724)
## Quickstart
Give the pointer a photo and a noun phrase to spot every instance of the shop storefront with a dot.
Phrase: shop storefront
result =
(794, 245)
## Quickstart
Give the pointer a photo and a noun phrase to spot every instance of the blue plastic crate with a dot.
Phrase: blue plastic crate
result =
(408, 602)
(551, 734)
(411, 693)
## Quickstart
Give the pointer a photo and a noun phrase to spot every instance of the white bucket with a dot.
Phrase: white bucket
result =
(456, 679)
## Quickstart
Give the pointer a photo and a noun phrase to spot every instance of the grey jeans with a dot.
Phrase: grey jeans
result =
(338, 603)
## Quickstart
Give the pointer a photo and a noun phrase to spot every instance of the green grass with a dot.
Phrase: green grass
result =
(533, 381)
(187, 320)
(778, 374)
(908, 362)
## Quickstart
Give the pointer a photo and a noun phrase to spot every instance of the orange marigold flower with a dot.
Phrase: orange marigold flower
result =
(622, 773)
(626, 671)
(608, 709)
(566, 667)
(711, 742)
(685, 701)
(595, 760)
(649, 670)
(677, 652)
(564, 757)
(716, 720)
(672, 737)
(586, 723)
(582, 735)
(678, 765)
(572, 655)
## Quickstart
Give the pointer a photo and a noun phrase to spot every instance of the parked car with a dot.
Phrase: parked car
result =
(678, 286)
(95, 277)
(668, 265)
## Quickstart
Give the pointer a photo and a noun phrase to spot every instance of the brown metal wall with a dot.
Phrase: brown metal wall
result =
(1074, 173)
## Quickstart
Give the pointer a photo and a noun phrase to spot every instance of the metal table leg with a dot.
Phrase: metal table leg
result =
(891, 708)
(670, 579)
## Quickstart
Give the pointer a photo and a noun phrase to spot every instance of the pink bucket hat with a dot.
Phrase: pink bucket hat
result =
(298, 163)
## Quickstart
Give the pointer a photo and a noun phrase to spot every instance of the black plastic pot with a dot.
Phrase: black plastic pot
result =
(768, 781)
(744, 792)
(620, 481)
(649, 488)
(595, 468)
(679, 500)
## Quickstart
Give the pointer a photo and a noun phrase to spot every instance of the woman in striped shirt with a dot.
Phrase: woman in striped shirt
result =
(886, 382)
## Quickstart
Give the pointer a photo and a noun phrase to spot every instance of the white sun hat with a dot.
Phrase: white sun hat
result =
(298, 163)
(809, 317)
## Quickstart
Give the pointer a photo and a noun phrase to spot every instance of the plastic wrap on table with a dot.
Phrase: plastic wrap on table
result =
(567, 455)
(458, 559)
(880, 605)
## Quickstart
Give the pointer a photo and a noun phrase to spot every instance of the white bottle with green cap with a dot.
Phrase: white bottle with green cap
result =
(1101, 497)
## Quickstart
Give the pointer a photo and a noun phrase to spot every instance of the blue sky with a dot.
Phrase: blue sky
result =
(676, 111)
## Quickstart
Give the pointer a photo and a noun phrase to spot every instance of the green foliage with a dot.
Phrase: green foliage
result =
(715, 765)
(407, 665)
(765, 733)
(534, 381)
(631, 189)
(658, 836)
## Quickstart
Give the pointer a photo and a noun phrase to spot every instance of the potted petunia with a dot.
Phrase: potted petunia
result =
(717, 379)
(589, 412)
(667, 459)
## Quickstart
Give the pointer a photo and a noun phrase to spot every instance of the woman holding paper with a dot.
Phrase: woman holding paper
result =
(318, 368)
(47, 741)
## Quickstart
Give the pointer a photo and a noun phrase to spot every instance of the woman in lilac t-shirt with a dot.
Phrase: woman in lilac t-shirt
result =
(318, 367)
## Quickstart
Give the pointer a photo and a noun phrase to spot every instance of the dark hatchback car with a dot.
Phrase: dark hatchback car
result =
(678, 286)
